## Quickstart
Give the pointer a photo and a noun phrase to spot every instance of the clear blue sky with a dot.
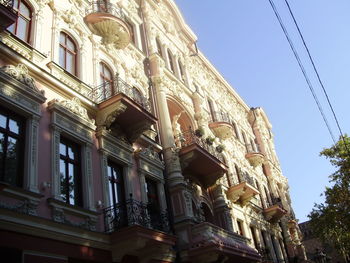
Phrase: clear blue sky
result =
(243, 40)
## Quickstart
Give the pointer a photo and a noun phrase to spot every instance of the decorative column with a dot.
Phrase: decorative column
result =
(221, 209)
(56, 180)
(88, 184)
(171, 158)
(32, 157)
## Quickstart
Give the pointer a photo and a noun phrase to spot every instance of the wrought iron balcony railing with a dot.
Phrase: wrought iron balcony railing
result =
(221, 116)
(134, 212)
(188, 138)
(244, 177)
(105, 7)
(7, 3)
(116, 86)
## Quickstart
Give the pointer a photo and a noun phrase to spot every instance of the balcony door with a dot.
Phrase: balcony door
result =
(117, 193)
(153, 206)
(106, 81)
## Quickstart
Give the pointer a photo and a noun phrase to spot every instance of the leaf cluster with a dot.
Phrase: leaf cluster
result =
(330, 220)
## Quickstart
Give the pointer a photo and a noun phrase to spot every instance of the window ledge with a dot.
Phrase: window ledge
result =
(73, 215)
(19, 199)
(22, 47)
(69, 79)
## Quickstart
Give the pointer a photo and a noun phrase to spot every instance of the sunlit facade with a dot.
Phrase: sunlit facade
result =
(120, 142)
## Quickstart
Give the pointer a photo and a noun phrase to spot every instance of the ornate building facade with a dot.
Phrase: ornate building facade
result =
(120, 142)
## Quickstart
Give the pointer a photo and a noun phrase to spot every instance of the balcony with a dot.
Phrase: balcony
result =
(108, 21)
(138, 229)
(255, 157)
(122, 108)
(210, 243)
(243, 192)
(221, 125)
(200, 161)
(274, 211)
(7, 14)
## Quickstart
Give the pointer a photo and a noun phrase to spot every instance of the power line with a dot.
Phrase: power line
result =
(317, 74)
(302, 69)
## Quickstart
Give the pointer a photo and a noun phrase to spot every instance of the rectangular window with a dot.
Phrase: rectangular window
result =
(211, 108)
(70, 173)
(255, 241)
(143, 38)
(240, 227)
(116, 184)
(12, 140)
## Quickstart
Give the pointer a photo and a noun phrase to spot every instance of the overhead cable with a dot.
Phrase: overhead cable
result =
(296, 55)
(317, 74)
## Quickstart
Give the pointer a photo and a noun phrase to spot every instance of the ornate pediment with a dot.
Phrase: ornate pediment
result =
(21, 73)
(75, 107)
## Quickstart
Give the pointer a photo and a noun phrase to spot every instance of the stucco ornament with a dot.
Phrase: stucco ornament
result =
(74, 106)
(21, 73)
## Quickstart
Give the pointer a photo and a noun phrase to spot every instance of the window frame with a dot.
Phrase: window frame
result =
(171, 61)
(76, 170)
(66, 49)
(77, 127)
(21, 137)
(102, 76)
(29, 21)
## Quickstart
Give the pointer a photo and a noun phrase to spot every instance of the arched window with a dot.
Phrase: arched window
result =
(171, 61)
(21, 28)
(159, 47)
(182, 72)
(106, 80)
(237, 174)
(68, 54)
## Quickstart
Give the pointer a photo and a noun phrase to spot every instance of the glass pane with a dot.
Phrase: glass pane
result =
(12, 162)
(62, 149)
(71, 178)
(1, 151)
(64, 183)
(11, 28)
(70, 45)
(15, 4)
(71, 153)
(1, 145)
(62, 60)
(3, 121)
(24, 10)
(70, 63)
(63, 39)
(22, 29)
(14, 126)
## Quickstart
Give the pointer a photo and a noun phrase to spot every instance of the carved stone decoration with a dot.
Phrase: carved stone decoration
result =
(150, 153)
(21, 73)
(108, 118)
(255, 159)
(74, 106)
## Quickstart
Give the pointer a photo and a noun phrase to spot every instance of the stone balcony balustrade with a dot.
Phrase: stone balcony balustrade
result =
(108, 21)
(221, 125)
(255, 157)
(200, 161)
(244, 191)
(210, 243)
(274, 210)
(138, 229)
(122, 107)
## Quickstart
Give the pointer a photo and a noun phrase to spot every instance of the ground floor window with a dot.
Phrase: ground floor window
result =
(70, 172)
(12, 140)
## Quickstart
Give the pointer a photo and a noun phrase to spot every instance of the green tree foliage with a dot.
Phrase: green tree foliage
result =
(330, 221)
